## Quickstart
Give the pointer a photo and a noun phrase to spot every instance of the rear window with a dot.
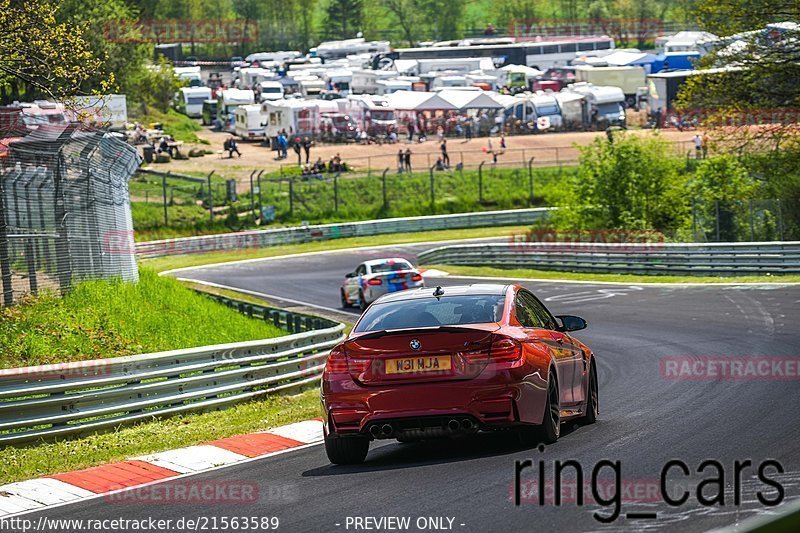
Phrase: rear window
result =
(389, 266)
(430, 312)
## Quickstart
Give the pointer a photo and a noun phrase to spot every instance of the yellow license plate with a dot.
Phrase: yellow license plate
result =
(408, 365)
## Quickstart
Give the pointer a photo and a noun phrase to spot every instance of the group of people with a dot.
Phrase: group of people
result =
(336, 164)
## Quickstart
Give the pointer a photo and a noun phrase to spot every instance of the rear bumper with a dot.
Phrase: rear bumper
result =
(350, 408)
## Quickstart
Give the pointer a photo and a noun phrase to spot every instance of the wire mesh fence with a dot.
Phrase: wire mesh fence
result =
(64, 210)
(756, 220)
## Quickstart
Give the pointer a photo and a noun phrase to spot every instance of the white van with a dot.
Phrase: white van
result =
(190, 74)
(248, 122)
(190, 100)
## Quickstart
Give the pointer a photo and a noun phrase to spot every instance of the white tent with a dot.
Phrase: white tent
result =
(528, 71)
(419, 101)
(462, 100)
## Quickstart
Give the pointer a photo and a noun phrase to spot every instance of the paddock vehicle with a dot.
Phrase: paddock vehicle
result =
(435, 363)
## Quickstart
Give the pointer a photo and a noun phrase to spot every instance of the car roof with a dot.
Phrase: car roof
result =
(386, 260)
(476, 289)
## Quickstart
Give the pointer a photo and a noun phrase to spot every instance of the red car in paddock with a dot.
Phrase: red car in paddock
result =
(432, 363)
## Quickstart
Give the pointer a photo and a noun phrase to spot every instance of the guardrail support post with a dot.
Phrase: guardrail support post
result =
(480, 182)
(530, 179)
(433, 193)
(291, 197)
(252, 197)
(336, 193)
(260, 204)
(164, 191)
(383, 183)
(210, 198)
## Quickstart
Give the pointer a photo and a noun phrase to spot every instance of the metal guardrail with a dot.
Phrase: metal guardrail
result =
(72, 398)
(627, 258)
(322, 232)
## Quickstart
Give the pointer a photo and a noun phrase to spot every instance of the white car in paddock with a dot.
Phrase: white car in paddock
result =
(372, 279)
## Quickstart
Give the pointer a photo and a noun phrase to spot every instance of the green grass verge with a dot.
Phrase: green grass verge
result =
(161, 264)
(100, 319)
(350, 199)
(176, 124)
(41, 459)
(621, 278)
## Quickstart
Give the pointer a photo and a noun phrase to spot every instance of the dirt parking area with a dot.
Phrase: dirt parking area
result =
(549, 149)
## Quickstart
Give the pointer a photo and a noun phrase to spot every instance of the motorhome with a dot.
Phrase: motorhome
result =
(269, 90)
(296, 117)
(548, 112)
(249, 78)
(341, 49)
(338, 80)
(189, 100)
(191, 75)
(365, 80)
(248, 122)
(229, 100)
(311, 87)
(275, 57)
(391, 85)
(605, 105)
(27, 117)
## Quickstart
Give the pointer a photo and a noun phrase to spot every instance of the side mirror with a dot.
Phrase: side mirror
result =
(350, 275)
(571, 323)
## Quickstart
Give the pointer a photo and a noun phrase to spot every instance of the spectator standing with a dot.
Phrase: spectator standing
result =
(307, 148)
(445, 157)
(705, 145)
(401, 161)
(296, 145)
(698, 145)
(489, 30)
(232, 147)
(410, 131)
(468, 130)
(407, 160)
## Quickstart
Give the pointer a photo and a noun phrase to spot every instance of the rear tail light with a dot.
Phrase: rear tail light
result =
(339, 363)
(416, 277)
(374, 282)
(502, 350)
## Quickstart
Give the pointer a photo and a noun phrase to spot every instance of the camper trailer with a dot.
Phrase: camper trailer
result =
(338, 81)
(296, 117)
(605, 105)
(573, 110)
(365, 80)
(248, 122)
(189, 100)
(269, 90)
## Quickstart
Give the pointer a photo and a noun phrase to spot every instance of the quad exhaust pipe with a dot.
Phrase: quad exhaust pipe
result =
(454, 425)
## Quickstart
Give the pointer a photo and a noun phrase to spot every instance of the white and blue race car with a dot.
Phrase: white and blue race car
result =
(372, 279)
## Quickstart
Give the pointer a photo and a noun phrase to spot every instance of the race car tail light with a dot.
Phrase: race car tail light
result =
(374, 282)
(337, 362)
(505, 350)
(502, 350)
(416, 277)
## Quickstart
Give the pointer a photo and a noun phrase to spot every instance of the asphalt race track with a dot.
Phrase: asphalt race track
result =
(645, 420)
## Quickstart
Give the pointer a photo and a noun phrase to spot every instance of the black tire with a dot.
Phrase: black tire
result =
(346, 450)
(592, 398)
(550, 429)
(343, 299)
(362, 302)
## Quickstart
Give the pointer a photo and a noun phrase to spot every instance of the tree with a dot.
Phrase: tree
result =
(40, 56)
(761, 66)
(407, 13)
(631, 183)
(721, 188)
(345, 18)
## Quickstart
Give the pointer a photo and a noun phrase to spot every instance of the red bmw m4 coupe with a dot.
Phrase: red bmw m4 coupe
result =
(432, 363)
